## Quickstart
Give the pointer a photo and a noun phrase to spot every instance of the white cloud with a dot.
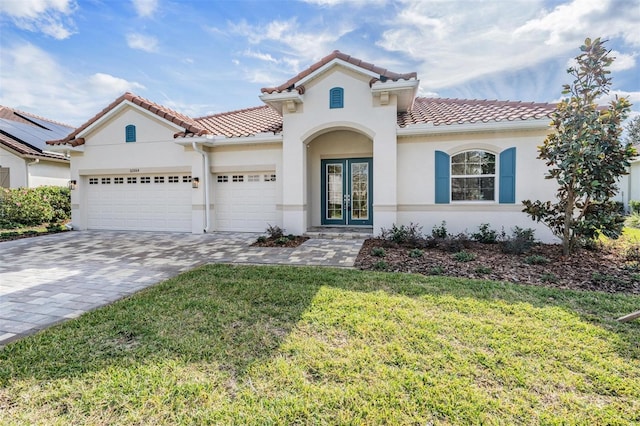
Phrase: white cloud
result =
(257, 55)
(107, 84)
(50, 17)
(145, 8)
(622, 61)
(33, 81)
(303, 42)
(454, 45)
(142, 42)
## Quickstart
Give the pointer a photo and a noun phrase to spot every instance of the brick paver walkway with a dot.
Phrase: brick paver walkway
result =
(49, 279)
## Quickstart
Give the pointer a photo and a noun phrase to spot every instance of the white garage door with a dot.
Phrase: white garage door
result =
(245, 202)
(142, 202)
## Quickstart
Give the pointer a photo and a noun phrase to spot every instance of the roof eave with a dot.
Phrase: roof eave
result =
(219, 140)
(277, 100)
(405, 90)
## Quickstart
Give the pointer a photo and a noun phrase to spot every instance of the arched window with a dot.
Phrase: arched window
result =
(473, 176)
(130, 133)
(336, 97)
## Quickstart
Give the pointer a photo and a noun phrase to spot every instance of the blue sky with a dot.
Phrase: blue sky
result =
(68, 59)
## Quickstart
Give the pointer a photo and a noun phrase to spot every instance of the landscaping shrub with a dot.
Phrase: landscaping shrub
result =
(634, 205)
(440, 232)
(633, 220)
(536, 259)
(403, 235)
(464, 256)
(454, 243)
(485, 235)
(415, 253)
(520, 241)
(59, 198)
(23, 207)
(34, 206)
(378, 252)
(275, 232)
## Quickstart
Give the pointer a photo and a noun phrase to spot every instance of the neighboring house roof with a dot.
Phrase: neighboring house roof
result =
(443, 111)
(27, 133)
(383, 73)
(188, 123)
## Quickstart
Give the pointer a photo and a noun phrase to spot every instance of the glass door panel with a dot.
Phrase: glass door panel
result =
(346, 192)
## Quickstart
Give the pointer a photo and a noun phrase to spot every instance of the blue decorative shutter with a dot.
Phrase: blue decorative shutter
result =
(443, 180)
(130, 133)
(508, 176)
(336, 97)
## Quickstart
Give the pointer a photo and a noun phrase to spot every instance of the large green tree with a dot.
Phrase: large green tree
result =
(585, 155)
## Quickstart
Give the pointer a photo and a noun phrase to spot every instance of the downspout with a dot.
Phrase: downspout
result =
(207, 210)
(30, 163)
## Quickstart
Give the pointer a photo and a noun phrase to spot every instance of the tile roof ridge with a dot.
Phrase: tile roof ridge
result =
(336, 54)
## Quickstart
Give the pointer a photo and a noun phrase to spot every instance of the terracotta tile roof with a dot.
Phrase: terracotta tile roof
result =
(190, 126)
(336, 54)
(443, 111)
(244, 122)
(26, 133)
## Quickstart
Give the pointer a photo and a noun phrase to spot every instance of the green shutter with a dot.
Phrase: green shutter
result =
(442, 178)
(508, 176)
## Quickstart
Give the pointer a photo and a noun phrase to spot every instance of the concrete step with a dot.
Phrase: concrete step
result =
(336, 233)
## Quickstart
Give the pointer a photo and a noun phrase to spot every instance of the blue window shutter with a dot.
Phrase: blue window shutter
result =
(508, 176)
(443, 180)
(130, 133)
(336, 97)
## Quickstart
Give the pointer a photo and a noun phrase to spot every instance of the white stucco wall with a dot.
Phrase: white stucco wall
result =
(49, 173)
(17, 167)
(416, 186)
(33, 173)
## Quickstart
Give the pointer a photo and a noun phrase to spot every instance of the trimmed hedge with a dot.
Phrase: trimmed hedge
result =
(34, 206)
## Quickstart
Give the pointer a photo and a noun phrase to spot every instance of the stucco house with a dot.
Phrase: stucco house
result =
(343, 143)
(25, 158)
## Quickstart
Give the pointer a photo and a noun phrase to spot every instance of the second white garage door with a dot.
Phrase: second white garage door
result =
(245, 202)
(142, 203)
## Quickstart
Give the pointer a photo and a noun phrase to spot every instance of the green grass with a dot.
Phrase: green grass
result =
(285, 345)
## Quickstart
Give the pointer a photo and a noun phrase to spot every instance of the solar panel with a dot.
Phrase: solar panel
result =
(30, 134)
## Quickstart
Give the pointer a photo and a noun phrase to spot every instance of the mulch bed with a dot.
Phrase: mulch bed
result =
(605, 269)
(290, 241)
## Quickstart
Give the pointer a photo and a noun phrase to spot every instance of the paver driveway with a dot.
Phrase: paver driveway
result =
(45, 280)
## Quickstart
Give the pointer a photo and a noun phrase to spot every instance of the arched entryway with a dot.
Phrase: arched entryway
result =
(340, 179)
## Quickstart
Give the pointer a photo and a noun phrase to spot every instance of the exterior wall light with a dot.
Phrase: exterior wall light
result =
(73, 184)
(195, 183)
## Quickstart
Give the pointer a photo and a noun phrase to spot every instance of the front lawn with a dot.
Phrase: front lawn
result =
(289, 345)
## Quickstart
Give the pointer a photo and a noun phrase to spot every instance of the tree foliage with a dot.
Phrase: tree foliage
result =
(584, 155)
